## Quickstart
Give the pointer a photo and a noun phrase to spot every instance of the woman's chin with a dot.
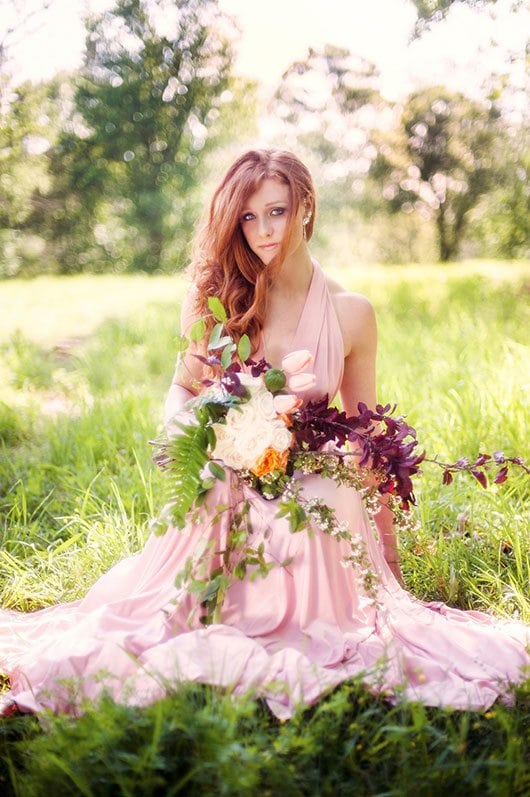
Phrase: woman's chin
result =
(267, 257)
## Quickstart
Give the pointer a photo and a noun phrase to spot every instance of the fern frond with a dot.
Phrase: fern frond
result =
(188, 454)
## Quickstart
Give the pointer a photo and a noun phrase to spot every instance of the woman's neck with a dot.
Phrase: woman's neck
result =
(295, 273)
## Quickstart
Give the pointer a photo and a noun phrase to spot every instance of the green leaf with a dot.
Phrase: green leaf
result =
(212, 440)
(217, 471)
(226, 340)
(181, 343)
(196, 585)
(217, 309)
(297, 518)
(198, 330)
(215, 336)
(243, 348)
(226, 356)
(240, 570)
(213, 587)
(295, 514)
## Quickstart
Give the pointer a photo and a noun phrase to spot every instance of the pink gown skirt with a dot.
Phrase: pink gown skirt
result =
(289, 637)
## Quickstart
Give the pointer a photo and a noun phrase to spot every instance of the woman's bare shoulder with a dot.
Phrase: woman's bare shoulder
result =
(350, 306)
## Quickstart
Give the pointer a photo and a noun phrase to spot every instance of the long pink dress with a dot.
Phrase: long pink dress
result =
(289, 637)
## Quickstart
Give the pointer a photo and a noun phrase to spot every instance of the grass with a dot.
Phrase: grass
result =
(84, 365)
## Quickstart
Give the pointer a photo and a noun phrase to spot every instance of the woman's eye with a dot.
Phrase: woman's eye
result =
(273, 212)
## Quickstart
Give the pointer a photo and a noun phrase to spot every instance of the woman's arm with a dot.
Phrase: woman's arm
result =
(188, 371)
(358, 323)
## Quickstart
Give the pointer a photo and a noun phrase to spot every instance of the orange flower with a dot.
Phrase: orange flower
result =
(269, 461)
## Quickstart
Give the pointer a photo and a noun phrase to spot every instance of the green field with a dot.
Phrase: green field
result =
(84, 365)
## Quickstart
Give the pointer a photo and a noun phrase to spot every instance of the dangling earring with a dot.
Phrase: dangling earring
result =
(305, 222)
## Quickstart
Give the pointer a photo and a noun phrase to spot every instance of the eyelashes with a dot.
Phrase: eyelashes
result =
(274, 212)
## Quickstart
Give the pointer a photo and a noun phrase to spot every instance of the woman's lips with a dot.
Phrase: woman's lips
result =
(268, 246)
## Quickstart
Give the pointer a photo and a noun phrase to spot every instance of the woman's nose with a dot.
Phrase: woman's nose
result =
(264, 226)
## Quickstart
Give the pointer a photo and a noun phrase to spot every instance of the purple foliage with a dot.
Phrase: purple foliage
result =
(232, 383)
(258, 367)
(385, 443)
(480, 466)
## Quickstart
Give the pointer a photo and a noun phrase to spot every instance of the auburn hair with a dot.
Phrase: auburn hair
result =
(223, 265)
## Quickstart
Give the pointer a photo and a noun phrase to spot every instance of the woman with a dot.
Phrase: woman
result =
(306, 626)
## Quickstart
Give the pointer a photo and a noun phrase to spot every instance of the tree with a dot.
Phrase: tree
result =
(325, 107)
(145, 101)
(440, 161)
(501, 221)
(430, 11)
(28, 127)
(324, 102)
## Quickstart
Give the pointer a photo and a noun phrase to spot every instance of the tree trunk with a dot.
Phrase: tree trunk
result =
(444, 248)
(448, 238)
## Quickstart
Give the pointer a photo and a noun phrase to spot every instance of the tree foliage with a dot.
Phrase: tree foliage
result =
(29, 124)
(325, 107)
(145, 102)
(321, 100)
(501, 221)
(23, 125)
(430, 11)
(439, 161)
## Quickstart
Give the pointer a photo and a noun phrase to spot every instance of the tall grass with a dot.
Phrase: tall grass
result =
(77, 492)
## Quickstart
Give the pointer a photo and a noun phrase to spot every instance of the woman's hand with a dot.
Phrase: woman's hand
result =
(384, 522)
(174, 408)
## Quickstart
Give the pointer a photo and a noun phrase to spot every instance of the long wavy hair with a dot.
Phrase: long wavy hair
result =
(223, 265)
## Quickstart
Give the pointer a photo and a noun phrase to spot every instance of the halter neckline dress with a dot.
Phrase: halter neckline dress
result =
(289, 637)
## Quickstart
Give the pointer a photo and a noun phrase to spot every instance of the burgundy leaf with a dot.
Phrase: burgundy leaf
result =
(481, 459)
(259, 367)
(501, 476)
(447, 477)
(480, 477)
(233, 368)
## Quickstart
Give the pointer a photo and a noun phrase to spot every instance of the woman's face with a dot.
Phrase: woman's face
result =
(265, 217)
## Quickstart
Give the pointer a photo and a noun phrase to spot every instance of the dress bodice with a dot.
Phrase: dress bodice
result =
(318, 330)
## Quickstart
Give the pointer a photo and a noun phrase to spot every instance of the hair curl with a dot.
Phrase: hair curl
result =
(223, 265)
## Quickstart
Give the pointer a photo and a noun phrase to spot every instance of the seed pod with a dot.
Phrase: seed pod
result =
(274, 379)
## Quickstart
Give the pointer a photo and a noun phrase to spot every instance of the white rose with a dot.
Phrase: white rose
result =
(235, 417)
(264, 404)
(229, 453)
(281, 438)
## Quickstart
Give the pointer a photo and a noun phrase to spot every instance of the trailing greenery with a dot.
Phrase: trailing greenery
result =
(78, 491)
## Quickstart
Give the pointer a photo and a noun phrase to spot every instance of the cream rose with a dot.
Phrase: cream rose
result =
(250, 429)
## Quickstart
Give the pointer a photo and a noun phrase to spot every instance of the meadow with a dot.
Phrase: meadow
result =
(84, 365)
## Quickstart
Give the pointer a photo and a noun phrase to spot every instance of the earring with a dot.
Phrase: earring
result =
(305, 222)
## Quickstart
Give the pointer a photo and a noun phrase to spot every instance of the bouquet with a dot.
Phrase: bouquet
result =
(255, 423)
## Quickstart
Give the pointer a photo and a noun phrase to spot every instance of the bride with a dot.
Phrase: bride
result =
(304, 628)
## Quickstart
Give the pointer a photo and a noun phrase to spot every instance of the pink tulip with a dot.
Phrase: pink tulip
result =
(301, 382)
(285, 404)
(296, 361)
